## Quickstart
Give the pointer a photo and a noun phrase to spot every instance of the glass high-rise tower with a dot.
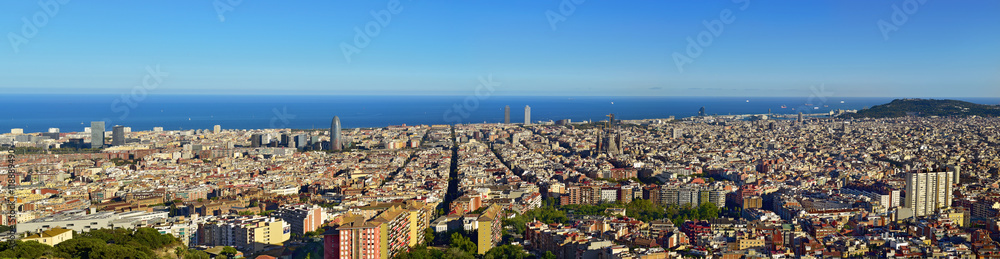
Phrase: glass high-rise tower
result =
(118, 135)
(96, 134)
(336, 141)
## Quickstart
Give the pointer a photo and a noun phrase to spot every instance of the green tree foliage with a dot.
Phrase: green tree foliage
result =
(640, 209)
(428, 236)
(421, 252)
(78, 246)
(926, 107)
(229, 251)
(463, 243)
(546, 214)
(708, 210)
(458, 254)
(314, 233)
(29, 249)
(196, 254)
(480, 210)
(507, 251)
(99, 243)
(549, 255)
(592, 210)
(119, 251)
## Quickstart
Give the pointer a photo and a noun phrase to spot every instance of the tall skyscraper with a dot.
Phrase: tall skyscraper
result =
(96, 134)
(301, 141)
(800, 117)
(527, 115)
(928, 191)
(217, 129)
(701, 112)
(335, 138)
(506, 114)
(287, 140)
(118, 135)
(256, 140)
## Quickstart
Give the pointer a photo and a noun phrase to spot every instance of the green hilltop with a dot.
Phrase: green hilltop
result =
(926, 107)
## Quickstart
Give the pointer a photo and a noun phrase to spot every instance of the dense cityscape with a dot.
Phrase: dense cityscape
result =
(398, 129)
(754, 186)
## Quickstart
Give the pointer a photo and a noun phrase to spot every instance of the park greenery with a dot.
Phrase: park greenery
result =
(926, 107)
(639, 209)
(458, 244)
(99, 243)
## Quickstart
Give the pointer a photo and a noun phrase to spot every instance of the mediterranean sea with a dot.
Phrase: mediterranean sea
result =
(71, 113)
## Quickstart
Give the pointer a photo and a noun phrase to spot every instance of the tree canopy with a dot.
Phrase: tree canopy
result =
(98, 243)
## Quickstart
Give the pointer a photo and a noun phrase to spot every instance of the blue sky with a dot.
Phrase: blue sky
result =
(603, 47)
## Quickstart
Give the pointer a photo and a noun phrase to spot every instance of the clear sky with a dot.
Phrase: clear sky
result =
(598, 47)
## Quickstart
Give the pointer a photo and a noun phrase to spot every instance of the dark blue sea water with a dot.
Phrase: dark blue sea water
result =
(70, 113)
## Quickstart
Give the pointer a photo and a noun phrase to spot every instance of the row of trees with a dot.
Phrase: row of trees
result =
(646, 210)
(640, 209)
(463, 247)
(459, 245)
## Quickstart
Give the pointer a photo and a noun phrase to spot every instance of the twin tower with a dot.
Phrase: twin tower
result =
(527, 114)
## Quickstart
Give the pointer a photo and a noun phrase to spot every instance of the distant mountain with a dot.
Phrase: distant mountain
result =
(926, 107)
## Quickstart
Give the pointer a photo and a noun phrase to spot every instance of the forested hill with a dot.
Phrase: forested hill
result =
(926, 107)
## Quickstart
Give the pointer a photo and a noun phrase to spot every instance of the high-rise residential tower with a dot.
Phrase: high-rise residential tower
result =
(956, 173)
(96, 134)
(506, 114)
(928, 191)
(527, 115)
(335, 138)
(118, 135)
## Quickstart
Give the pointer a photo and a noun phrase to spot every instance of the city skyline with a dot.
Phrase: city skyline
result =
(383, 129)
(783, 48)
